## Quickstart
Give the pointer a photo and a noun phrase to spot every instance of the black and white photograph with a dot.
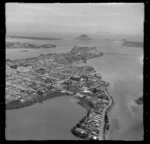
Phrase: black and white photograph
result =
(74, 71)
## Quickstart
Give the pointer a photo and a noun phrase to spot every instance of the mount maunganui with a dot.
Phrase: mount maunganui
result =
(83, 37)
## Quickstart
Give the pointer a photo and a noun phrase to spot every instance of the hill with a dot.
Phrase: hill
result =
(83, 37)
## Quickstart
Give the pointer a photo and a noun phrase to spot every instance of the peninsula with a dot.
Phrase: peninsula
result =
(131, 43)
(53, 75)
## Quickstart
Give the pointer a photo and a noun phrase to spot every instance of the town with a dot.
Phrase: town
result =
(36, 79)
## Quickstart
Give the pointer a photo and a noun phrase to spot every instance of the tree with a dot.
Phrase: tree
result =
(94, 90)
(91, 104)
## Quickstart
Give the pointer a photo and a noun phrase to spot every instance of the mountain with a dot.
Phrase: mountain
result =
(83, 37)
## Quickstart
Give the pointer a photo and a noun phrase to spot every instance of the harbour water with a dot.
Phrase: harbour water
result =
(51, 120)
(121, 66)
(124, 73)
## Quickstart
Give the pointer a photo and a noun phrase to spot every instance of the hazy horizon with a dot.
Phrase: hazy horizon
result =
(99, 18)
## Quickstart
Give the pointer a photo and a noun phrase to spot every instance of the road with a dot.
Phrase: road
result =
(101, 136)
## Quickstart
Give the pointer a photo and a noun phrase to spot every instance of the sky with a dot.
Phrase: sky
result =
(122, 18)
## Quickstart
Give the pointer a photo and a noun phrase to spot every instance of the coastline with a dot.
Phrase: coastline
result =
(112, 105)
(35, 101)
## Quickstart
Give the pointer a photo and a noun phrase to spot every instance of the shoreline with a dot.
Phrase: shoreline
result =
(112, 105)
(35, 101)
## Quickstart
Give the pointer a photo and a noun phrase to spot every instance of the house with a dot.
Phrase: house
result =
(75, 78)
(85, 89)
(92, 137)
(22, 100)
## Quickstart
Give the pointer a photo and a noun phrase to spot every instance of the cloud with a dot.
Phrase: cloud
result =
(121, 19)
(48, 9)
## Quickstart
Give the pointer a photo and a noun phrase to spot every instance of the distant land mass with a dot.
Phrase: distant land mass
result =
(83, 37)
(28, 45)
(131, 43)
(34, 38)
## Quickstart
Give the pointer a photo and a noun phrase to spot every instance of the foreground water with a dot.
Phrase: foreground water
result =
(53, 119)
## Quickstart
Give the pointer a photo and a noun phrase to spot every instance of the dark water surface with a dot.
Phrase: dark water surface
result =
(51, 120)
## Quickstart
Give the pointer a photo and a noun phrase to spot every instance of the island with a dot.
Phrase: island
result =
(83, 37)
(139, 101)
(47, 76)
(131, 43)
(28, 45)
